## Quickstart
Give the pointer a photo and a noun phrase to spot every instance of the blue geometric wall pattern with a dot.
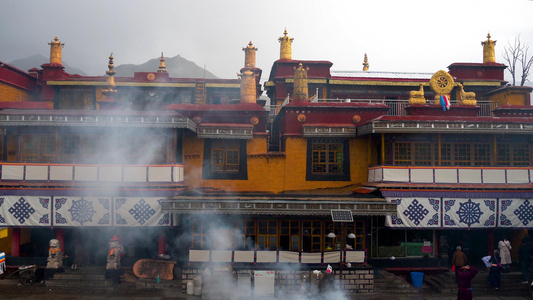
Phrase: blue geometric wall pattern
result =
(419, 212)
(516, 213)
(82, 211)
(139, 211)
(25, 211)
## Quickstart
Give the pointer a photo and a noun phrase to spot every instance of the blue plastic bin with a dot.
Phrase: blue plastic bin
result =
(418, 278)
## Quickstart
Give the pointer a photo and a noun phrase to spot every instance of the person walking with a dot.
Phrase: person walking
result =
(465, 275)
(458, 261)
(505, 253)
(524, 257)
(495, 273)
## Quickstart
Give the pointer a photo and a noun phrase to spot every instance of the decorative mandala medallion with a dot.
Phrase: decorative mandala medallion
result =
(82, 211)
(416, 212)
(21, 210)
(525, 212)
(469, 212)
(142, 211)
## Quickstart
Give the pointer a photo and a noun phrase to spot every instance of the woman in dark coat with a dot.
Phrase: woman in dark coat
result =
(495, 273)
(465, 276)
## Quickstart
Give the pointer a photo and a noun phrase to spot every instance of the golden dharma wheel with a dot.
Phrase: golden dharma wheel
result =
(442, 82)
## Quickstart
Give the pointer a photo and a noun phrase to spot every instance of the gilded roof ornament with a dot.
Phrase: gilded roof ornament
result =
(489, 55)
(300, 83)
(110, 90)
(162, 68)
(55, 51)
(285, 47)
(249, 55)
(365, 63)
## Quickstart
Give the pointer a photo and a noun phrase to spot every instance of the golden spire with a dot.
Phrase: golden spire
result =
(162, 68)
(249, 55)
(489, 55)
(110, 90)
(248, 86)
(365, 63)
(300, 84)
(285, 48)
(55, 51)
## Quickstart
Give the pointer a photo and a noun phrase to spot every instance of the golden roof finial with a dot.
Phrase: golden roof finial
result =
(55, 51)
(489, 55)
(249, 55)
(300, 91)
(162, 68)
(110, 90)
(285, 47)
(365, 63)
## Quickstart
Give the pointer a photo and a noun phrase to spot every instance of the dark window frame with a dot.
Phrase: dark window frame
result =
(242, 174)
(343, 176)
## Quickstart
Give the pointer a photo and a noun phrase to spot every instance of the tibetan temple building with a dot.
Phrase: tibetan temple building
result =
(346, 168)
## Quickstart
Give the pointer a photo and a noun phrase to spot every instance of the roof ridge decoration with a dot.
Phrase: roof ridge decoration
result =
(489, 55)
(442, 84)
(162, 67)
(285, 47)
(365, 63)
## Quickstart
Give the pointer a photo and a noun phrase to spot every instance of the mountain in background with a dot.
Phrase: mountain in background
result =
(177, 67)
(35, 61)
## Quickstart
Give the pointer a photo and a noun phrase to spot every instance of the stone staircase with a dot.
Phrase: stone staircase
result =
(87, 277)
(388, 283)
(511, 284)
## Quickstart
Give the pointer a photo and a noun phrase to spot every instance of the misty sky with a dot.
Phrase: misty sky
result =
(410, 36)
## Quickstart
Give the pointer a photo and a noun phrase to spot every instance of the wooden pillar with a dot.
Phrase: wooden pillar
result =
(439, 147)
(60, 236)
(490, 242)
(162, 243)
(15, 242)
(382, 149)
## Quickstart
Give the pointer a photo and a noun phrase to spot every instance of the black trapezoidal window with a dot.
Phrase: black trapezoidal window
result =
(328, 159)
(225, 159)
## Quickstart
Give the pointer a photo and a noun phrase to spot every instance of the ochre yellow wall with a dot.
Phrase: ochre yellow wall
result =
(5, 243)
(511, 97)
(273, 174)
(262, 174)
(12, 94)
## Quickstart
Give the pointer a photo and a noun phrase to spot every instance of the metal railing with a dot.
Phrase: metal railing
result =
(396, 107)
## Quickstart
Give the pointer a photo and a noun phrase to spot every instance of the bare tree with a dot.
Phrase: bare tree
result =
(518, 53)
(526, 64)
